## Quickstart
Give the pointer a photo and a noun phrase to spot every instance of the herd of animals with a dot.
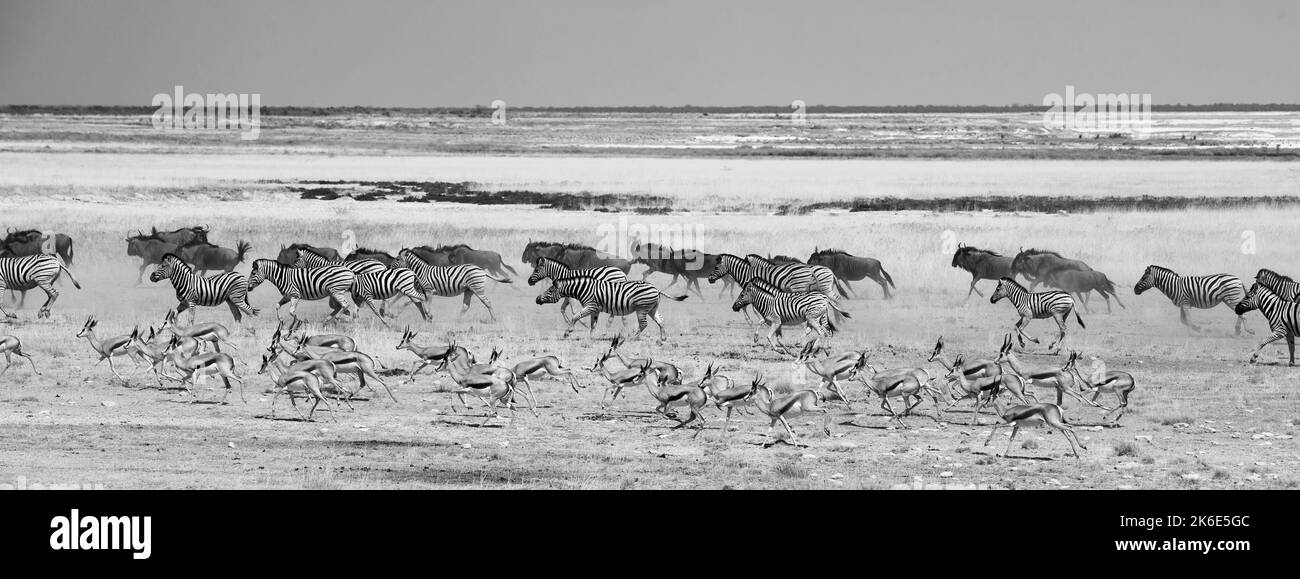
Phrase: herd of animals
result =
(780, 291)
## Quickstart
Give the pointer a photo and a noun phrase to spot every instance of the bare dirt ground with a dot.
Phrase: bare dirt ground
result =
(1200, 418)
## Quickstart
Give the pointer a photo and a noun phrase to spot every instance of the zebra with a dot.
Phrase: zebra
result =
(547, 268)
(449, 281)
(386, 284)
(297, 283)
(1036, 305)
(613, 298)
(780, 308)
(308, 258)
(1283, 316)
(1202, 292)
(820, 278)
(1285, 287)
(27, 272)
(194, 290)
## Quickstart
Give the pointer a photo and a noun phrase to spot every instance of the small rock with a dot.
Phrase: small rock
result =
(108, 403)
(1145, 437)
(837, 476)
(1052, 481)
(945, 474)
(230, 444)
(1192, 476)
(466, 446)
(504, 443)
(1181, 425)
(809, 457)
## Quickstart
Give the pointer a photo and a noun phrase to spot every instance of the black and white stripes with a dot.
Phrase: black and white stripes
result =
(779, 308)
(1188, 291)
(614, 298)
(24, 273)
(297, 283)
(1283, 316)
(1036, 305)
(448, 281)
(194, 290)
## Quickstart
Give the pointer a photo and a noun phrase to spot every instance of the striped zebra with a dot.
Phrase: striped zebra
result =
(1036, 305)
(193, 290)
(309, 259)
(32, 271)
(450, 281)
(1283, 316)
(820, 278)
(1285, 287)
(781, 308)
(613, 298)
(296, 283)
(547, 268)
(1200, 291)
(389, 283)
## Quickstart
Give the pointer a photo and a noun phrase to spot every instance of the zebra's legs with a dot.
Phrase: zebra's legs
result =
(482, 298)
(1020, 330)
(659, 320)
(52, 295)
(1277, 335)
(1060, 324)
(1182, 316)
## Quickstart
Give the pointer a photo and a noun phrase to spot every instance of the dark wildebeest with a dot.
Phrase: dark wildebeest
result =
(206, 256)
(288, 255)
(150, 250)
(361, 253)
(574, 255)
(688, 264)
(32, 242)
(1082, 283)
(461, 254)
(182, 236)
(1036, 265)
(850, 267)
(982, 264)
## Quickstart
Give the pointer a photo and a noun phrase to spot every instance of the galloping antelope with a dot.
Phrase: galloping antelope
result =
(10, 345)
(625, 378)
(801, 401)
(1036, 305)
(427, 354)
(288, 380)
(1025, 415)
(337, 341)
(668, 373)
(491, 389)
(1060, 379)
(984, 389)
(906, 383)
(689, 395)
(203, 364)
(504, 374)
(972, 368)
(108, 348)
(210, 332)
(153, 351)
(358, 363)
(1116, 382)
(829, 369)
(551, 364)
(724, 395)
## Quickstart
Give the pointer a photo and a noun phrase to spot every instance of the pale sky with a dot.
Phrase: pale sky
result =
(433, 53)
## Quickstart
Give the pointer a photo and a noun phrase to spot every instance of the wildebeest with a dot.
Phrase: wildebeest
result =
(1081, 283)
(850, 267)
(1036, 265)
(150, 250)
(574, 255)
(361, 253)
(461, 254)
(182, 236)
(289, 254)
(32, 242)
(687, 263)
(982, 264)
(206, 256)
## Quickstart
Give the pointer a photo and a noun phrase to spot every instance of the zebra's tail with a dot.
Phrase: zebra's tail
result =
(1080, 319)
(242, 247)
(495, 278)
(672, 297)
(63, 266)
(512, 270)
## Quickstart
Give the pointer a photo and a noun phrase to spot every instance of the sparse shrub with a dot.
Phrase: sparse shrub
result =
(790, 470)
(1029, 444)
(1126, 449)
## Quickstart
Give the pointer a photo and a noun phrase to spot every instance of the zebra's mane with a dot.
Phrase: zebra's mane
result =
(1162, 269)
(1013, 282)
(1280, 277)
(553, 260)
(415, 255)
(760, 258)
(574, 276)
(1267, 291)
